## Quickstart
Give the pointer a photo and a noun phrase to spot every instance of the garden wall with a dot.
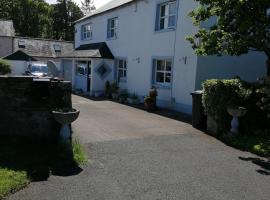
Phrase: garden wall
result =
(26, 104)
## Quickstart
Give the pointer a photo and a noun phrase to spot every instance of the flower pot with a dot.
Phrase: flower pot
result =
(149, 106)
(133, 101)
(115, 96)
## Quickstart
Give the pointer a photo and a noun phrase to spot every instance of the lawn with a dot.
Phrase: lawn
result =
(23, 160)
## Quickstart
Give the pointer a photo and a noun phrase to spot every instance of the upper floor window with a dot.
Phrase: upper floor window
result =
(163, 72)
(57, 48)
(121, 65)
(166, 15)
(21, 43)
(112, 28)
(87, 32)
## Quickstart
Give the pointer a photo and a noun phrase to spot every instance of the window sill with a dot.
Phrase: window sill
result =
(160, 86)
(87, 39)
(165, 30)
(112, 38)
(123, 80)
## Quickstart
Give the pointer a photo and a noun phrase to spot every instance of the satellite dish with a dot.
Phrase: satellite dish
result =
(52, 68)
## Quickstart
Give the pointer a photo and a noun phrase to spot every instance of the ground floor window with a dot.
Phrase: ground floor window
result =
(162, 72)
(82, 67)
(121, 65)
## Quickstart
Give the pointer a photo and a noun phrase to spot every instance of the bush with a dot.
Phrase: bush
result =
(5, 67)
(264, 93)
(220, 94)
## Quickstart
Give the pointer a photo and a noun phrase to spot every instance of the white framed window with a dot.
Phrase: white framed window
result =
(81, 68)
(121, 65)
(57, 47)
(112, 28)
(166, 15)
(162, 72)
(87, 32)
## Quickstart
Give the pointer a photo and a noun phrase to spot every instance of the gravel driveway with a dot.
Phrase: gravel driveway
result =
(139, 155)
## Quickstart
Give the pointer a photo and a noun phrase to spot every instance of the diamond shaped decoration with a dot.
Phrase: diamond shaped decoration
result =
(103, 70)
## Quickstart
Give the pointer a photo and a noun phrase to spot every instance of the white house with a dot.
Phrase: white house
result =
(140, 44)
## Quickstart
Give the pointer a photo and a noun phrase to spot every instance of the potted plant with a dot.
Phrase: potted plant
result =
(133, 99)
(150, 100)
(123, 96)
(114, 90)
(108, 89)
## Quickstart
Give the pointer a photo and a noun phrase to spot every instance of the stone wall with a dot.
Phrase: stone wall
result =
(26, 104)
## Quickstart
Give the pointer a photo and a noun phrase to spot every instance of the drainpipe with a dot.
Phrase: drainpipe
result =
(174, 53)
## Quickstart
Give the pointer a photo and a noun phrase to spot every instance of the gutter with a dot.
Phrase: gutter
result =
(105, 11)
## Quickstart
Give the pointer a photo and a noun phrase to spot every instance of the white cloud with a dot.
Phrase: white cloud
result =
(98, 3)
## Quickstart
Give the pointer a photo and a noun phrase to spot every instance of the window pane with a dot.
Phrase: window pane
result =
(162, 10)
(121, 63)
(168, 78)
(112, 33)
(160, 77)
(171, 21)
(168, 65)
(120, 73)
(112, 23)
(160, 65)
(172, 10)
(125, 73)
(162, 24)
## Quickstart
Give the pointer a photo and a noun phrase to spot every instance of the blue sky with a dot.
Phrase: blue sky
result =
(98, 3)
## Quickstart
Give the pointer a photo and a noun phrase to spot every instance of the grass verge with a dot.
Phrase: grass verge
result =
(257, 144)
(23, 160)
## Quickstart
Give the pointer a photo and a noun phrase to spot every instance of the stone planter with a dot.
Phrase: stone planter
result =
(133, 101)
(115, 96)
(65, 119)
(236, 112)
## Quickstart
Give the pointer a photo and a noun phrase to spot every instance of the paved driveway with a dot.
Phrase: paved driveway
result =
(139, 155)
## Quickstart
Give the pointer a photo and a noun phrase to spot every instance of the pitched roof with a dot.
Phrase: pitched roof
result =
(19, 55)
(94, 50)
(113, 4)
(36, 47)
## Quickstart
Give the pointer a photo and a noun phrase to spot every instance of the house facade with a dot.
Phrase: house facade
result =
(147, 39)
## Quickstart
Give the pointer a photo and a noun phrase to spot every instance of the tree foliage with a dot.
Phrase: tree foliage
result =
(36, 18)
(4, 67)
(240, 26)
(65, 13)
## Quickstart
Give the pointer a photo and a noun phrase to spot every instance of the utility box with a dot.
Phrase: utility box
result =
(199, 119)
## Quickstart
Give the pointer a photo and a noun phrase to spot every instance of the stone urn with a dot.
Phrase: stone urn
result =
(65, 117)
(236, 112)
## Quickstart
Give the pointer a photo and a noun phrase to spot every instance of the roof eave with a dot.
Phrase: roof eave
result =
(109, 10)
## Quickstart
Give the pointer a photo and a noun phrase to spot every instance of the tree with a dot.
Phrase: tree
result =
(5, 67)
(241, 26)
(88, 6)
(31, 18)
(65, 14)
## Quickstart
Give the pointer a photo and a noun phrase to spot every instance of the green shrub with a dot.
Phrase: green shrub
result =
(5, 67)
(108, 88)
(220, 94)
(264, 100)
(114, 87)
